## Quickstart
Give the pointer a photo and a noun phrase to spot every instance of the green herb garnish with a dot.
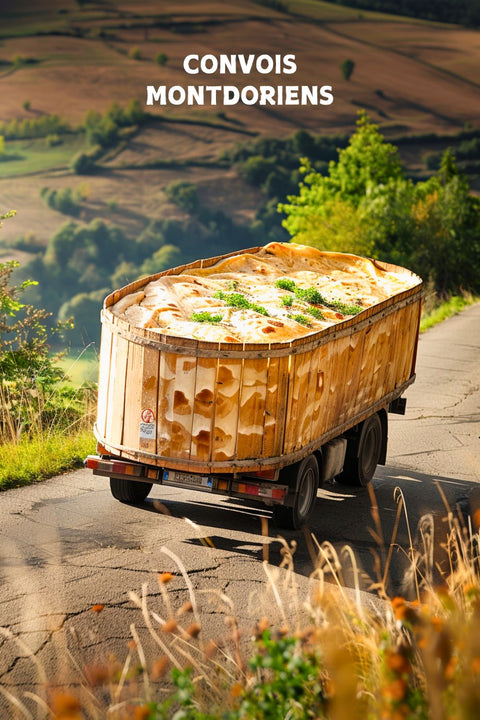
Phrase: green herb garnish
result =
(342, 307)
(300, 319)
(316, 313)
(237, 300)
(206, 317)
(310, 295)
(286, 284)
(287, 300)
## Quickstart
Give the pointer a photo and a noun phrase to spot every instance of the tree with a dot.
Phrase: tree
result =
(366, 162)
(161, 59)
(347, 67)
(366, 205)
(28, 371)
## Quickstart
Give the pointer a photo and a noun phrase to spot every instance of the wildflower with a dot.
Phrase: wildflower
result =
(97, 674)
(165, 577)
(236, 690)
(211, 649)
(170, 626)
(66, 706)
(186, 608)
(396, 690)
(397, 661)
(142, 712)
(159, 667)
(192, 631)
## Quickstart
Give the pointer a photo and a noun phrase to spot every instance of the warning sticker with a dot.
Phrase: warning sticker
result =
(148, 416)
(147, 425)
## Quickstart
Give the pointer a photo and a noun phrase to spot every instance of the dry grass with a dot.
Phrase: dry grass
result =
(332, 654)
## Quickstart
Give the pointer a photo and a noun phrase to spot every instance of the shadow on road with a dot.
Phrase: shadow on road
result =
(381, 524)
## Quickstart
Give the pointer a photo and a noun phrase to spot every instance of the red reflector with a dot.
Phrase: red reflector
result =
(92, 463)
(118, 467)
(278, 493)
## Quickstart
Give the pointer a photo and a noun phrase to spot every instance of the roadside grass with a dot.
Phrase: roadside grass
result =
(333, 654)
(435, 314)
(43, 456)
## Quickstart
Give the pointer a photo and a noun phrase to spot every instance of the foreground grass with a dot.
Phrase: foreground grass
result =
(43, 456)
(452, 306)
(331, 657)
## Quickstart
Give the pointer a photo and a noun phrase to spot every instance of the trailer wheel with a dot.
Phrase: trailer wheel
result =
(302, 479)
(363, 453)
(129, 491)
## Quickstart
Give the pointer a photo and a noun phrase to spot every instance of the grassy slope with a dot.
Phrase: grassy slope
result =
(76, 73)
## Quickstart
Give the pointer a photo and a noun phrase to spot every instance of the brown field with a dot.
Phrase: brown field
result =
(411, 77)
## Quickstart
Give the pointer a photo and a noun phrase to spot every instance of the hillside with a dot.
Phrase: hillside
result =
(418, 80)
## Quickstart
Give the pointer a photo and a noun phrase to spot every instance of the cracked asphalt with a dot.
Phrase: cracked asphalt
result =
(68, 546)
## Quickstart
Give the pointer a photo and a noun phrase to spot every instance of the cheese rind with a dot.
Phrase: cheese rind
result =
(171, 303)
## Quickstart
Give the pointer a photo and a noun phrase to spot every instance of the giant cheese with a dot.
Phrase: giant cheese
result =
(282, 292)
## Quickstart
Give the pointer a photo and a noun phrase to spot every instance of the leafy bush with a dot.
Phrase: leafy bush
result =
(61, 200)
(184, 195)
(134, 53)
(31, 398)
(84, 163)
(161, 59)
(104, 130)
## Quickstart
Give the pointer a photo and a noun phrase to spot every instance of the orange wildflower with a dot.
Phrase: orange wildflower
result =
(165, 577)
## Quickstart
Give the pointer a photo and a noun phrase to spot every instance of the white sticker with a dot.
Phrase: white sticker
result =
(147, 431)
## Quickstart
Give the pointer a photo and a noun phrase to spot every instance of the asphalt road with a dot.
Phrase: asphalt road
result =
(67, 545)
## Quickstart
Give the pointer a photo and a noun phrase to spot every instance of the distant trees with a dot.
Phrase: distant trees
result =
(463, 12)
(347, 67)
(365, 204)
(19, 129)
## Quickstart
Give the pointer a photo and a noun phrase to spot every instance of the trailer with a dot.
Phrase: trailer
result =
(265, 421)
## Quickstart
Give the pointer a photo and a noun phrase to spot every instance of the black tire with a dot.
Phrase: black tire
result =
(304, 476)
(363, 453)
(129, 491)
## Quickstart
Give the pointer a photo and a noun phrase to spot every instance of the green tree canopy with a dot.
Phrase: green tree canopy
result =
(366, 205)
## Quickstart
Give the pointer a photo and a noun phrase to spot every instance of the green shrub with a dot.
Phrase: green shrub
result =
(84, 163)
(161, 59)
(184, 195)
(347, 67)
(134, 53)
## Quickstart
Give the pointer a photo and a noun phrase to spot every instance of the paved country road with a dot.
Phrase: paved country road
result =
(67, 545)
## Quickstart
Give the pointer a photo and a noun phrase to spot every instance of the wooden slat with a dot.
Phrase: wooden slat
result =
(252, 408)
(183, 405)
(298, 424)
(352, 371)
(133, 397)
(202, 426)
(317, 389)
(224, 442)
(116, 391)
(105, 364)
(149, 399)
